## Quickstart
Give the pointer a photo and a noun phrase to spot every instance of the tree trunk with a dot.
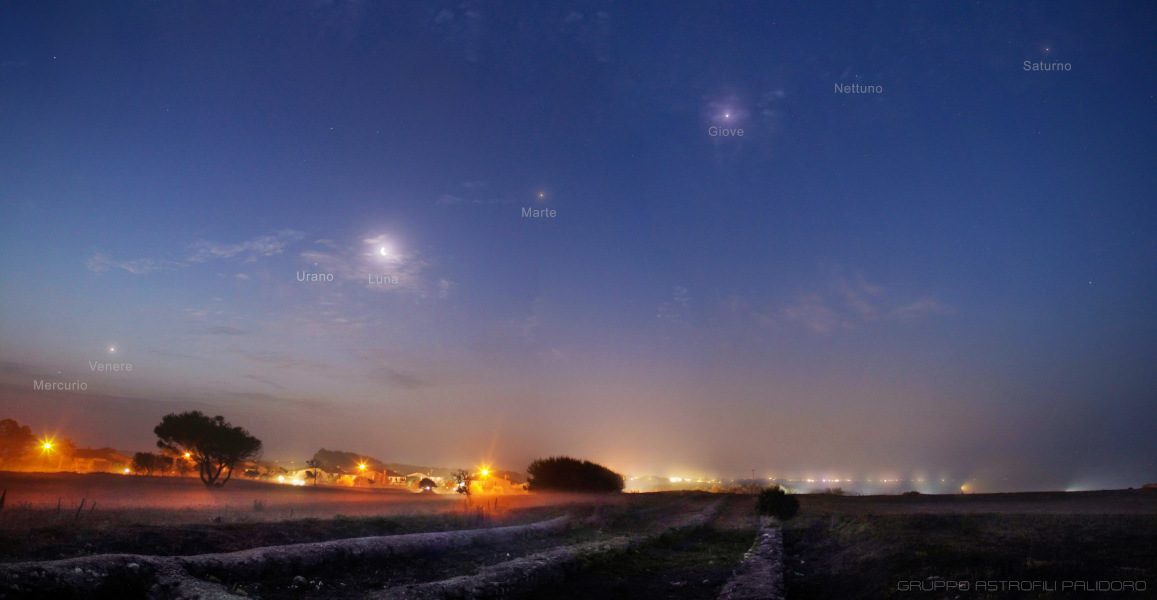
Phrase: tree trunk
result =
(227, 476)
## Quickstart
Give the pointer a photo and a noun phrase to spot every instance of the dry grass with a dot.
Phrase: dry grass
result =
(865, 547)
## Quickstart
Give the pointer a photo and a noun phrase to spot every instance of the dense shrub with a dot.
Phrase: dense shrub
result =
(566, 474)
(777, 503)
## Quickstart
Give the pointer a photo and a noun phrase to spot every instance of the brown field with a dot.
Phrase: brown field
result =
(844, 547)
(62, 515)
(1115, 502)
(870, 547)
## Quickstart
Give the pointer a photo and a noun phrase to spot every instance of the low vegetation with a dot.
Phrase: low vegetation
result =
(775, 502)
(868, 556)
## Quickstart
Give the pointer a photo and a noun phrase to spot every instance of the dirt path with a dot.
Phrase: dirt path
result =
(689, 564)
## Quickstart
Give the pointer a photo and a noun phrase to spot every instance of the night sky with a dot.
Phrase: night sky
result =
(951, 275)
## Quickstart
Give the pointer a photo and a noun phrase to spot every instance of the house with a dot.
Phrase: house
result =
(339, 476)
(99, 460)
(393, 478)
(493, 483)
(298, 477)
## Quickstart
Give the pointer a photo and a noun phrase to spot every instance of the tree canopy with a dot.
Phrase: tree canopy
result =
(347, 461)
(16, 441)
(566, 474)
(147, 462)
(213, 444)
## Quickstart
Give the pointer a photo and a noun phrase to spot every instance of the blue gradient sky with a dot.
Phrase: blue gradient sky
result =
(954, 276)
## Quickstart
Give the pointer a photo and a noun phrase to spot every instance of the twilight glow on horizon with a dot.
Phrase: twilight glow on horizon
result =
(824, 241)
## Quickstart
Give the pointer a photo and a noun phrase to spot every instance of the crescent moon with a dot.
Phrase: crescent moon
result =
(385, 252)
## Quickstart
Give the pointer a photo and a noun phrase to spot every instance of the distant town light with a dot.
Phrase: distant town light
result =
(126, 470)
(281, 479)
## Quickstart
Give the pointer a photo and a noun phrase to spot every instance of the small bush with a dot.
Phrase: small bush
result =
(777, 503)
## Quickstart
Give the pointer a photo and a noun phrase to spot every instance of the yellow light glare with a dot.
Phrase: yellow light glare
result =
(126, 471)
(485, 472)
(187, 455)
(362, 467)
(48, 445)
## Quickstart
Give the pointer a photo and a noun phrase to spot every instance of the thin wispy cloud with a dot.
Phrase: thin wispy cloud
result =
(849, 305)
(200, 252)
(386, 369)
(472, 192)
(99, 263)
(812, 311)
(225, 330)
(251, 250)
(282, 361)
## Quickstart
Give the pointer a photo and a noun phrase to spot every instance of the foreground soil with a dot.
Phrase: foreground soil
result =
(837, 547)
(894, 555)
(688, 565)
(64, 540)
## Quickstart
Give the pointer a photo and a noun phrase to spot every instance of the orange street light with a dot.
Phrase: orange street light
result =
(362, 467)
(485, 472)
(48, 445)
(187, 455)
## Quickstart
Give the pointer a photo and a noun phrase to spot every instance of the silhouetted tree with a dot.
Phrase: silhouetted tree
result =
(566, 474)
(427, 484)
(775, 502)
(314, 464)
(462, 478)
(16, 441)
(144, 462)
(149, 462)
(213, 444)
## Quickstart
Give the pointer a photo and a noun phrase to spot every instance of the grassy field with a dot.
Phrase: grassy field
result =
(62, 515)
(917, 547)
(839, 547)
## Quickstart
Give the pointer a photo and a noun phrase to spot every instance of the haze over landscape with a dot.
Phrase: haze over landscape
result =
(315, 218)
